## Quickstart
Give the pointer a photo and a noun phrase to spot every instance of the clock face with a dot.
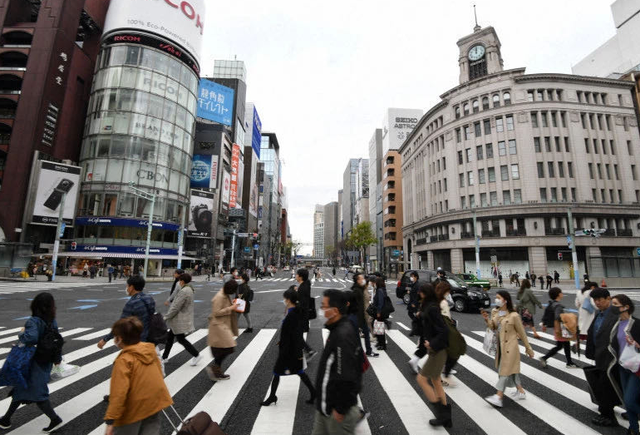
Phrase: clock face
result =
(476, 52)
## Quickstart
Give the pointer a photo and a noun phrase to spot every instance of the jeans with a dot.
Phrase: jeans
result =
(631, 389)
(560, 345)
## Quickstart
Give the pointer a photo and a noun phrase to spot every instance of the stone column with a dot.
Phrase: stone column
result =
(538, 260)
(457, 262)
(594, 264)
(430, 261)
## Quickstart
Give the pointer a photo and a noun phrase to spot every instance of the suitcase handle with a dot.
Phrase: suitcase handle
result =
(177, 415)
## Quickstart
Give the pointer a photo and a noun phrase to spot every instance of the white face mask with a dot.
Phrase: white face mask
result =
(284, 301)
(499, 302)
(412, 279)
(321, 316)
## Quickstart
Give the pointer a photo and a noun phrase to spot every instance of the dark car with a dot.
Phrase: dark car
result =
(464, 298)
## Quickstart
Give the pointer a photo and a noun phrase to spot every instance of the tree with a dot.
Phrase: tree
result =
(361, 237)
(330, 254)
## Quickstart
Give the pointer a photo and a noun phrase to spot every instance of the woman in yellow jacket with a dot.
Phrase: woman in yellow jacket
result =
(138, 393)
(507, 324)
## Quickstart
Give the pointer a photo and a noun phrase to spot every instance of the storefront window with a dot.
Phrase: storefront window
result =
(110, 202)
(126, 203)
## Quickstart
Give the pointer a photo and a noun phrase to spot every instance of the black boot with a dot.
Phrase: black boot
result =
(443, 415)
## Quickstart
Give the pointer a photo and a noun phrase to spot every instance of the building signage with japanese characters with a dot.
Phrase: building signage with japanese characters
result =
(235, 174)
(256, 134)
(215, 102)
(204, 171)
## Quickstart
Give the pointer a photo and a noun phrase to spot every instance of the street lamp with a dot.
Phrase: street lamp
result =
(149, 197)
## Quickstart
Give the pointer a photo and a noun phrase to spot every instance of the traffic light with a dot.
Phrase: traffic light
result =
(559, 256)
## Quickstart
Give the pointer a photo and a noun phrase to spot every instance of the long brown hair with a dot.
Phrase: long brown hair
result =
(507, 297)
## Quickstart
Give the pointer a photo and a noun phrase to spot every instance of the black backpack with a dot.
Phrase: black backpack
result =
(49, 348)
(387, 308)
(549, 316)
(158, 330)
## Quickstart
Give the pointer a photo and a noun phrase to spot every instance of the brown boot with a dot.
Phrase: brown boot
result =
(218, 374)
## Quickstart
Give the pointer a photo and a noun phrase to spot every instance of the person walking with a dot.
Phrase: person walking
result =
(586, 309)
(362, 300)
(505, 321)
(413, 305)
(552, 319)
(110, 272)
(339, 376)
(43, 318)
(556, 277)
(232, 275)
(333, 271)
(176, 280)
(527, 303)
(246, 294)
(436, 341)
(443, 293)
(533, 280)
(549, 281)
(290, 349)
(304, 298)
(423, 289)
(626, 332)
(381, 315)
(541, 279)
(500, 279)
(223, 327)
(179, 319)
(138, 391)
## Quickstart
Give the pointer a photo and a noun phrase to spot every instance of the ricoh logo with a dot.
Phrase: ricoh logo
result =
(127, 38)
(188, 11)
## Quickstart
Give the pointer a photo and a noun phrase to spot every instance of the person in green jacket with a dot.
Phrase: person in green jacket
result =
(527, 303)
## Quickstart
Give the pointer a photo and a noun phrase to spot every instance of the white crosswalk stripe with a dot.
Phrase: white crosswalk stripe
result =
(389, 386)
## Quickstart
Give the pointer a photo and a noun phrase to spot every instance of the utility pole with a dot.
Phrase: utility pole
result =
(477, 237)
(233, 249)
(59, 230)
(574, 253)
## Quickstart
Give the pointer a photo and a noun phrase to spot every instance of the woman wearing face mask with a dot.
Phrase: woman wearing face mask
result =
(443, 290)
(626, 332)
(379, 298)
(421, 351)
(435, 340)
(413, 305)
(506, 321)
(362, 299)
(290, 349)
(138, 392)
(180, 320)
(223, 327)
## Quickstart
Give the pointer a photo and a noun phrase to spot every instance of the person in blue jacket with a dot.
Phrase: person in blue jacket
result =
(43, 313)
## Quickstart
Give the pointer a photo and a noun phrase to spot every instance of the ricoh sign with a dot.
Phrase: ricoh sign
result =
(181, 21)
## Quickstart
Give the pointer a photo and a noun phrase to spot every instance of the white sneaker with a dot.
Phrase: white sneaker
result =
(495, 400)
(517, 395)
(164, 360)
(448, 381)
(195, 360)
(413, 362)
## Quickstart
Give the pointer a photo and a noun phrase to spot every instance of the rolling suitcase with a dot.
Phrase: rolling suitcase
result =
(199, 424)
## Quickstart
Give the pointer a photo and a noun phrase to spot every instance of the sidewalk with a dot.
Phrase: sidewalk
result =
(565, 284)
(102, 279)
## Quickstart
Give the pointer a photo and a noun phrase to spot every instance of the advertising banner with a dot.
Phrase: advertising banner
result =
(253, 195)
(179, 21)
(55, 180)
(215, 102)
(235, 166)
(200, 214)
(125, 222)
(226, 190)
(204, 172)
(257, 132)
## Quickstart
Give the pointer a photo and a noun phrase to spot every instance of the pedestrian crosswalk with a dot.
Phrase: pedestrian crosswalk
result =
(324, 280)
(11, 287)
(557, 399)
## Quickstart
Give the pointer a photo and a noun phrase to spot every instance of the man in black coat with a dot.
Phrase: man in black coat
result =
(339, 377)
(598, 338)
(304, 298)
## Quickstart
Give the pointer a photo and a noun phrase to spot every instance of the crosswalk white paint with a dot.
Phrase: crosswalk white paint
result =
(391, 373)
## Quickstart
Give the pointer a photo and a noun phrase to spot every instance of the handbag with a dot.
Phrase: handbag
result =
(490, 343)
(526, 315)
(378, 327)
(17, 367)
(371, 310)
(199, 424)
(157, 327)
(457, 345)
(630, 358)
(312, 309)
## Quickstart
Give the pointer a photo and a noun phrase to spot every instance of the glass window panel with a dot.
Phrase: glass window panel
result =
(178, 137)
(174, 69)
(149, 154)
(125, 99)
(184, 185)
(118, 146)
(133, 53)
(155, 106)
(144, 80)
(172, 89)
(152, 128)
(166, 133)
(159, 84)
(181, 117)
(112, 79)
(141, 102)
(99, 170)
(121, 122)
(126, 202)
(169, 111)
(118, 55)
(164, 153)
(103, 147)
(137, 125)
(174, 181)
(129, 77)
(114, 172)
(183, 96)
(192, 104)
(130, 171)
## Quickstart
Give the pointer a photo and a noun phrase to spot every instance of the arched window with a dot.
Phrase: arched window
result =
(507, 98)
(457, 111)
(476, 106)
(485, 103)
(466, 109)
(496, 100)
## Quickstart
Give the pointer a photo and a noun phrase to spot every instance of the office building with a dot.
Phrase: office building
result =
(318, 232)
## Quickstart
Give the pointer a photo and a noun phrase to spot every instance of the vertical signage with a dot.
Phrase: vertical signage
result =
(226, 188)
(235, 165)
(256, 135)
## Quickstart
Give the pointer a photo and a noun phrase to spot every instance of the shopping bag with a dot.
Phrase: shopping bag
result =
(241, 305)
(630, 358)
(63, 370)
(490, 344)
(17, 367)
(378, 327)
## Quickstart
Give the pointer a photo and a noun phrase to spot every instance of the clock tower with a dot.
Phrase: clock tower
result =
(479, 54)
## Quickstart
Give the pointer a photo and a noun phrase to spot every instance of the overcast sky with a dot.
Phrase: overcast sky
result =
(322, 73)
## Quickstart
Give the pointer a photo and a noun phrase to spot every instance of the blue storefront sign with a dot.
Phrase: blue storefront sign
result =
(124, 222)
(106, 249)
(256, 135)
(215, 102)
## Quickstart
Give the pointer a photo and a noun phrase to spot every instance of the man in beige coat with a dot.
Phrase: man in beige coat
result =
(223, 327)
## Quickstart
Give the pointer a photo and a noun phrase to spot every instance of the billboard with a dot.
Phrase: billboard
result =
(55, 180)
(253, 185)
(237, 173)
(397, 126)
(256, 135)
(204, 172)
(200, 214)
(179, 21)
(215, 102)
(226, 190)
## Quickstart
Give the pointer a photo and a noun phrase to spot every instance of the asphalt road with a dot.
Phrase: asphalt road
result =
(558, 401)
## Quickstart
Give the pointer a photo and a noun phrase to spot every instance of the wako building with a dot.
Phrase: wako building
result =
(139, 130)
(518, 151)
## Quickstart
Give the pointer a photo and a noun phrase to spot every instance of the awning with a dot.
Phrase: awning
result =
(117, 255)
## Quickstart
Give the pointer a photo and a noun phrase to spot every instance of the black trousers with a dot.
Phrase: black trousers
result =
(182, 340)
(560, 345)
